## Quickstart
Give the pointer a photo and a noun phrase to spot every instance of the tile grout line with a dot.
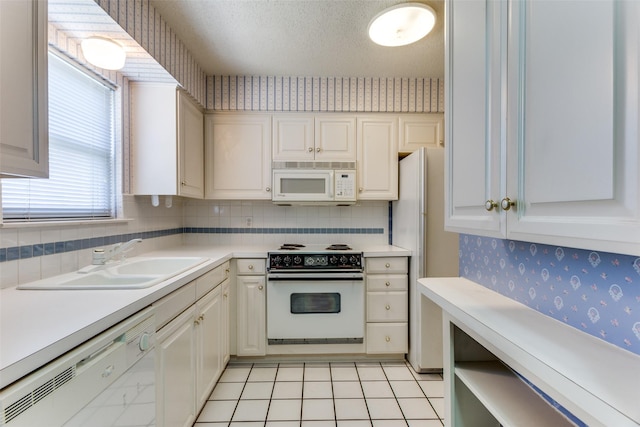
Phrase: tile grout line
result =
(404, 417)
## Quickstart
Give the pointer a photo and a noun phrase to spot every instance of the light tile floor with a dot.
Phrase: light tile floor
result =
(354, 394)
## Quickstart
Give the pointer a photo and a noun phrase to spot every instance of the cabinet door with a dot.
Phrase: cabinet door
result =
(420, 130)
(251, 312)
(377, 158)
(335, 138)
(573, 112)
(24, 146)
(176, 372)
(476, 41)
(238, 156)
(209, 333)
(293, 137)
(191, 148)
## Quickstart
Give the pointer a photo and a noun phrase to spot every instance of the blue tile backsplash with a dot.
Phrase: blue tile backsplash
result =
(596, 292)
(28, 251)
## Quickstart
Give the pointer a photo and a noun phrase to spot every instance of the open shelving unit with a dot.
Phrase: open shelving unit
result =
(493, 343)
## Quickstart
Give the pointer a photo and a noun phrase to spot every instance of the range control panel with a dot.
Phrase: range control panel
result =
(344, 260)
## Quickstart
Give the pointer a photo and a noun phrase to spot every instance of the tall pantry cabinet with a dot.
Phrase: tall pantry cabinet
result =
(542, 122)
(24, 150)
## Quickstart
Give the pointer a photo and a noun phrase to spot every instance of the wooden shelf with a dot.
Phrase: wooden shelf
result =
(509, 399)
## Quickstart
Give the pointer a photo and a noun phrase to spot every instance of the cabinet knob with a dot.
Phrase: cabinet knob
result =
(226, 271)
(250, 267)
(507, 203)
(183, 183)
(318, 150)
(268, 189)
(387, 265)
(388, 307)
(387, 338)
(260, 287)
(360, 189)
(387, 284)
(490, 205)
(310, 149)
(224, 295)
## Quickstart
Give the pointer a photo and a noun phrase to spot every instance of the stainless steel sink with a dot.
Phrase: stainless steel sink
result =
(134, 273)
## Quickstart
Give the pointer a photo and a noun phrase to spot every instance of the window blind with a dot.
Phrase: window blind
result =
(81, 153)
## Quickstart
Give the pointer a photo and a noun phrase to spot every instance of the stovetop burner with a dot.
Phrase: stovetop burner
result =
(338, 247)
(291, 246)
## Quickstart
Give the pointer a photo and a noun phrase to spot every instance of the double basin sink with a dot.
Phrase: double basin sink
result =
(133, 273)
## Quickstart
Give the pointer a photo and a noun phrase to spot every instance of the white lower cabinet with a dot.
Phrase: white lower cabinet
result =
(387, 305)
(251, 339)
(192, 349)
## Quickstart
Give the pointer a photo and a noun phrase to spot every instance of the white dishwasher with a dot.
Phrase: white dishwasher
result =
(107, 381)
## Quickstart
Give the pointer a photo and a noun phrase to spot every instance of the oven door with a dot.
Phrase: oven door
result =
(315, 309)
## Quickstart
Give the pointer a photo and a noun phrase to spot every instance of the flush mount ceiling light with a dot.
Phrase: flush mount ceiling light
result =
(103, 53)
(402, 24)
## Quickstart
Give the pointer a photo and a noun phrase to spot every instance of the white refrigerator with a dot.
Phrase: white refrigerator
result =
(418, 225)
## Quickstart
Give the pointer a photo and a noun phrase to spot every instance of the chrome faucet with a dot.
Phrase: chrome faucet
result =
(101, 255)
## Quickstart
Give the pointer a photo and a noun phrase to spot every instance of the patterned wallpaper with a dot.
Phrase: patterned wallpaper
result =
(142, 22)
(349, 94)
(596, 292)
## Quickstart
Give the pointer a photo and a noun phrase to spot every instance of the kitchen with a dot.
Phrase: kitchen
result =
(226, 223)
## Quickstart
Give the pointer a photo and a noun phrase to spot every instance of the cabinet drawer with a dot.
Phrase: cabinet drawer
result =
(251, 266)
(175, 303)
(387, 282)
(387, 307)
(387, 338)
(386, 265)
(210, 280)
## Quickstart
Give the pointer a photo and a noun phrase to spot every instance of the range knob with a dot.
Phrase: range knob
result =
(354, 259)
(333, 259)
(287, 260)
(277, 260)
(297, 260)
(343, 259)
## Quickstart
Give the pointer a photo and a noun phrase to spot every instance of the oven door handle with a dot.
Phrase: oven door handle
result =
(316, 277)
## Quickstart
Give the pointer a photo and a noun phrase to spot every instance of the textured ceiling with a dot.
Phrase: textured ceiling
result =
(298, 38)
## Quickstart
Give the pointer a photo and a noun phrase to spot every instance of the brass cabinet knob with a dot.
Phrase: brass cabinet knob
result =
(268, 189)
(387, 284)
(387, 338)
(310, 149)
(260, 287)
(387, 265)
(388, 307)
(507, 203)
(250, 266)
(490, 205)
(318, 150)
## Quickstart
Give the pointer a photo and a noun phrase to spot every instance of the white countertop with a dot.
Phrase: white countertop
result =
(36, 326)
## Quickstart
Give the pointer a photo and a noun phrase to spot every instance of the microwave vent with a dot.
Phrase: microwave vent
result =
(314, 165)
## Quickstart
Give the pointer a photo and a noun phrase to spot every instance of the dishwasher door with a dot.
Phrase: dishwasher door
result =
(129, 401)
(107, 381)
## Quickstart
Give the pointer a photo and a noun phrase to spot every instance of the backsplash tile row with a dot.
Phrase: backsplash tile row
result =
(596, 292)
(334, 94)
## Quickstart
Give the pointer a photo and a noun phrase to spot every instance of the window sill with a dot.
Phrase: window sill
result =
(69, 223)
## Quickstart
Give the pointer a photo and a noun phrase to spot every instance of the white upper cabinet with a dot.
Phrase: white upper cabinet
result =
(24, 150)
(238, 156)
(377, 164)
(335, 138)
(420, 130)
(167, 141)
(293, 137)
(314, 137)
(548, 138)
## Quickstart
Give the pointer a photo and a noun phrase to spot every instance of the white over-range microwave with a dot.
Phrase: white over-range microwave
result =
(314, 183)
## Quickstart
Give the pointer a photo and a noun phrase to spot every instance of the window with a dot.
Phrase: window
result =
(81, 180)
